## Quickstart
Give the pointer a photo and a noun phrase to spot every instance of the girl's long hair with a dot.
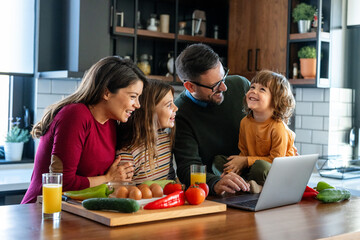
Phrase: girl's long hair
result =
(282, 98)
(109, 73)
(142, 127)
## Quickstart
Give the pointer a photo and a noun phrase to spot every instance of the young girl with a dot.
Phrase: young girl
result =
(148, 145)
(264, 134)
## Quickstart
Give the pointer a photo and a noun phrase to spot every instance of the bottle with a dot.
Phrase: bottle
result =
(138, 21)
(216, 31)
(295, 70)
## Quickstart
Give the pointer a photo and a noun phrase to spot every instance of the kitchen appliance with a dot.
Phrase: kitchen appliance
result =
(339, 167)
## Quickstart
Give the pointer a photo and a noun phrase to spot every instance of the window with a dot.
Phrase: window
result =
(4, 106)
(17, 27)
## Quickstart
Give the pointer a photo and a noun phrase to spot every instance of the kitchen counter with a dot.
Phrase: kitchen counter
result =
(308, 219)
(14, 177)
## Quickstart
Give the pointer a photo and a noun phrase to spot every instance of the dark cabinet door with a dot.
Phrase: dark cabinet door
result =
(257, 36)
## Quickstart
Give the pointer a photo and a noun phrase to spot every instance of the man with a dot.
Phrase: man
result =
(209, 115)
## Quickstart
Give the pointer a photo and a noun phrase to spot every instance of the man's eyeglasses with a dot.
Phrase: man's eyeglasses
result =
(214, 87)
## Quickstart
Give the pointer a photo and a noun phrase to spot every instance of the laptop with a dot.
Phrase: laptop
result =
(284, 185)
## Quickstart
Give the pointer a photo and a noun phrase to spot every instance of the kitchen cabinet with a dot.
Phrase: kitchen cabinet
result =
(257, 36)
(329, 15)
(72, 36)
(131, 38)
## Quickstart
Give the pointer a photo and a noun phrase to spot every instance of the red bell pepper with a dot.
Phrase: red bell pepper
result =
(309, 189)
(309, 195)
(172, 200)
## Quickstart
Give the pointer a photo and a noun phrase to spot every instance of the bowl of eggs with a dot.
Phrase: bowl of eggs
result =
(130, 190)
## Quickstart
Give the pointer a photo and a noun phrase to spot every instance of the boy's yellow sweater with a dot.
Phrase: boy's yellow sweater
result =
(265, 140)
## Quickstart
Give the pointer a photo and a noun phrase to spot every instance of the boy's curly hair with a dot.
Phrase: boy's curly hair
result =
(282, 98)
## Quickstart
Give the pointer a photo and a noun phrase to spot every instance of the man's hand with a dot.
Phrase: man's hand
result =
(231, 183)
(235, 164)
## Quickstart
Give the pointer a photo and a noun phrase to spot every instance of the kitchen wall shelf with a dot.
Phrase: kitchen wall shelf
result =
(329, 15)
(124, 31)
(188, 38)
(302, 81)
(131, 38)
(309, 36)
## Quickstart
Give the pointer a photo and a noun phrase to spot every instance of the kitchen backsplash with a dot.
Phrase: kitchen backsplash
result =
(49, 91)
(323, 119)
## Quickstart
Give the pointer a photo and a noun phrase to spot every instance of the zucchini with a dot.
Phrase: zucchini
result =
(114, 204)
(333, 195)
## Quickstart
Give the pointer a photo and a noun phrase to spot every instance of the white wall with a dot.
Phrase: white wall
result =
(323, 119)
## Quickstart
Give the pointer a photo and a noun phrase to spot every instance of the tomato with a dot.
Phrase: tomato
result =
(205, 187)
(195, 195)
(172, 187)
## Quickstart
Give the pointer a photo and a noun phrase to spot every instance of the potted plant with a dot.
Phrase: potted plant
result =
(14, 141)
(307, 57)
(303, 14)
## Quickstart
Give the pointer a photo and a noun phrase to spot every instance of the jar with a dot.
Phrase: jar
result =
(182, 26)
(144, 64)
(152, 25)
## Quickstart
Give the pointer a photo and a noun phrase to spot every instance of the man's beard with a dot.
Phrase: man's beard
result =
(216, 101)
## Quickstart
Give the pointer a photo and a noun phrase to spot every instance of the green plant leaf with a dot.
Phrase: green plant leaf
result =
(303, 11)
(307, 52)
(16, 134)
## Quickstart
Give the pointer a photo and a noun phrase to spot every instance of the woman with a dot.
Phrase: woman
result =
(78, 134)
(145, 142)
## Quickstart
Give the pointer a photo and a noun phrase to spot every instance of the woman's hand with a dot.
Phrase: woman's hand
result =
(120, 171)
(235, 164)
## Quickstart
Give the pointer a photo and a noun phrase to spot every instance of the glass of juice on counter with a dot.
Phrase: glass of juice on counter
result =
(52, 191)
(197, 174)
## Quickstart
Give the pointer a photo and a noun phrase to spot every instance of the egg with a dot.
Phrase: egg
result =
(143, 185)
(146, 192)
(122, 192)
(156, 190)
(135, 193)
(131, 187)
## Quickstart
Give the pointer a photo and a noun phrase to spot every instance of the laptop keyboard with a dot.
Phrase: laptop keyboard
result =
(250, 203)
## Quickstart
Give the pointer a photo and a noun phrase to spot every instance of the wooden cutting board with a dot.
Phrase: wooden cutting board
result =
(117, 219)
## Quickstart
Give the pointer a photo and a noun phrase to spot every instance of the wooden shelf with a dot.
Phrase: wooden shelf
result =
(298, 36)
(124, 30)
(152, 34)
(302, 81)
(189, 38)
(309, 36)
(182, 38)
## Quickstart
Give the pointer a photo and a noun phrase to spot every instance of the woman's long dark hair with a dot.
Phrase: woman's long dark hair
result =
(110, 73)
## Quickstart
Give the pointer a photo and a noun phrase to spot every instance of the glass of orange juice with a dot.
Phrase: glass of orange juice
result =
(197, 174)
(52, 191)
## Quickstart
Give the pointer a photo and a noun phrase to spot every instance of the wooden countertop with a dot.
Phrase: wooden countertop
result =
(309, 219)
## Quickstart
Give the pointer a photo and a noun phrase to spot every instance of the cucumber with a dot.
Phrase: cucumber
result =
(333, 195)
(114, 204)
